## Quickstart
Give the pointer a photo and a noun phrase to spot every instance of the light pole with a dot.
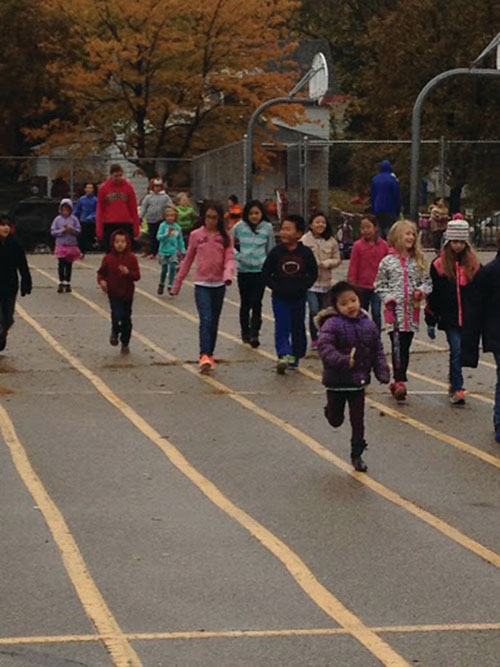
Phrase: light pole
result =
(417, 114)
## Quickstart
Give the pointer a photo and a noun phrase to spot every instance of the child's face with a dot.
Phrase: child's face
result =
(170, 215)
(4, 229)
(368, 230)
(318, 225)
(408, 239)
(117, 176)
(348, 304)
(289, 234)
(65, 210)
(157, 188)
(183, 200)
(255, 215)
(89, 189)
(211, 219)
(120, 243)
(458, 246)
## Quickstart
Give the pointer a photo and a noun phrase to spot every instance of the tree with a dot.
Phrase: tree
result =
(168, 78)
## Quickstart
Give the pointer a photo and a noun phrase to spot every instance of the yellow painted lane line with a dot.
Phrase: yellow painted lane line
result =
(435, 522)
(299, 571)
(250, 634)
(95, 607)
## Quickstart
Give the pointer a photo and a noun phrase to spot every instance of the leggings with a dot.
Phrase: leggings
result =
(64, 269)
(400, 342)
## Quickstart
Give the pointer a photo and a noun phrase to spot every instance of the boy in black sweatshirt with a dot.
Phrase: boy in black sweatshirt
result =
(12, 262)
(290, 270)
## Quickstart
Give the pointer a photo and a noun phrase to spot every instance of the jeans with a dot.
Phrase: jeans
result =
(454, 337)
(110, 227)
(121, 318)
(289, 327)
(316, 301)
(7, 306)
(168, 268)
(496, 409)
(400, 342)
(153, 241)
(370, 298)
(251, 288)
(334, 413)
(209, 301)
(64, 268)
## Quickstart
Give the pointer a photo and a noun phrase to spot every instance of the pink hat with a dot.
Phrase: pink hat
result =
(458, 216)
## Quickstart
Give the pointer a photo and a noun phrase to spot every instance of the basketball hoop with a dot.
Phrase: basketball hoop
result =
(318, 84)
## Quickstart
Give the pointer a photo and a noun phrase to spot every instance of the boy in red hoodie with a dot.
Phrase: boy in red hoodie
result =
(116, 207)
(116, 276)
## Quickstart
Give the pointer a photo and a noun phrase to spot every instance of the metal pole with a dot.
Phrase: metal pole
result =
(416, 124)
(250, 131)
(442, 168)
(305, 178)
(71, 178)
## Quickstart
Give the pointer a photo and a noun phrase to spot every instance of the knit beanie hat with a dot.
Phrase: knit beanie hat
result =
(457, 230)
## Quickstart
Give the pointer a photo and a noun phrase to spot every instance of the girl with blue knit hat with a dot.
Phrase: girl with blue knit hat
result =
(451, 302)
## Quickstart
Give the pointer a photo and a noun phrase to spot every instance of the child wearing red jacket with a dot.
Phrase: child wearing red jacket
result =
(118, 272)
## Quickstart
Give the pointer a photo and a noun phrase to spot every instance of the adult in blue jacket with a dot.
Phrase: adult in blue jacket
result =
(385, 197)
(85, 211)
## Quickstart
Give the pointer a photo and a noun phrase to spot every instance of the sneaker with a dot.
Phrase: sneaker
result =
(212, 362)
(358, 464)
(293, 362)
(60, 288)
(314, 344)
(282, 365)
(254, 342)
(67, 287)
(398, 390)
(125, 349)
(458, 397)
(160, 290)
(113, 339)
(204, 364)
(245, 338)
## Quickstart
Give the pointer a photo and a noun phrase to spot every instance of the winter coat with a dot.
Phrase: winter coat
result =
(120, 285)
(186, 217)
(290, 273)
(153, 206)
(327, 255)
(487, 283)
(450, 305)
(385, 195)
(364, 262)
(397, 279)
(116, 203)
(85, 208)
(57, 229)
(252, 246)
(12, 264)
(214, 262)
(171, 240)
(338, 334)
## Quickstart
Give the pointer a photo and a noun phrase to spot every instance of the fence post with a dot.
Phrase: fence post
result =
(71, 178)
(442, 167)
(304, 168)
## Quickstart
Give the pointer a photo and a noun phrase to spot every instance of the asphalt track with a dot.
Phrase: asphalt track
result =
(152, 516)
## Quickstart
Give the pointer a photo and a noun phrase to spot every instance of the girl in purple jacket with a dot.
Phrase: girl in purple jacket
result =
(349, 346)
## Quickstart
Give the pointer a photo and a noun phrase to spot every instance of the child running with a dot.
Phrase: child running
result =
(12, 265)
(170, 248)
(290, 270)
(118, 273)
(349, 346)
(66, 228)
(451, 302)
(327, 254)
(212, 246)
(253, 240)
(402, 282)
(186, 215)
(367, 253)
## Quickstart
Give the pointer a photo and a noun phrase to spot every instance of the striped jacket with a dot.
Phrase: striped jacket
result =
(251, 249)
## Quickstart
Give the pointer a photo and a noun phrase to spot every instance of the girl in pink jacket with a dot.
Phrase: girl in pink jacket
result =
(215, 268)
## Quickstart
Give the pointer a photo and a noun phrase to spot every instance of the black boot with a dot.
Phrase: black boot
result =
(358, 464)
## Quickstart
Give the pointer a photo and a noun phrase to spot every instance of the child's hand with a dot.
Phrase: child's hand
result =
(123, 269)
(104, 285)
(418, 295)
(351, 357)
(431, 332)
(228, 283)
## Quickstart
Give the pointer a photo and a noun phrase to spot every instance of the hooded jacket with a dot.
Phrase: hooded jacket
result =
(120, 285)
(85, 208)
(153, 206)
(364, 262)
(385, 195)
(12, 263)
(487, 282)
(327, 255)
(116, 202)
(337, 336)
(57, 228)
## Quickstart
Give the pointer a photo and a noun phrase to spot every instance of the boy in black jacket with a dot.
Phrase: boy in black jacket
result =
(290, 270)
(12, 262)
